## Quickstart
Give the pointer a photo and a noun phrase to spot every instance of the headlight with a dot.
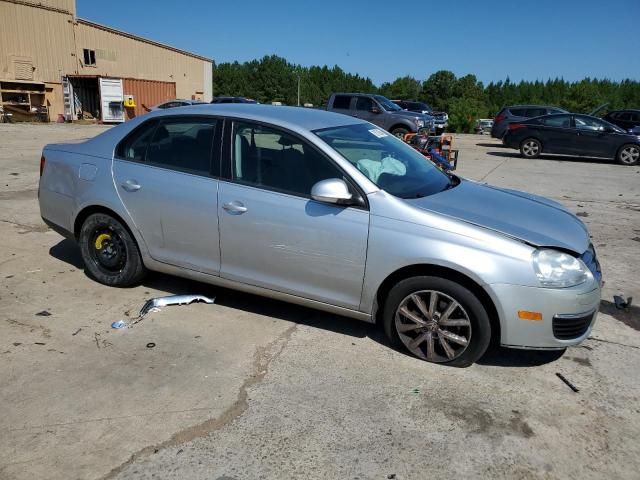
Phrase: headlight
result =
(558, 269)
(419, 123)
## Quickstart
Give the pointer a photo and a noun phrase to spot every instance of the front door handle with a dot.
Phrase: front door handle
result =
(131, 186)
(234, 208)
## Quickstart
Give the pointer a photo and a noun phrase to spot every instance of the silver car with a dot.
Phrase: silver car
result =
(328, 211)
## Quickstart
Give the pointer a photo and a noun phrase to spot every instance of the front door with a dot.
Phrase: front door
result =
(592, 138)
(164, 173)
(273, 235)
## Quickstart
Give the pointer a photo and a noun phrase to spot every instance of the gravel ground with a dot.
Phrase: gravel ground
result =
(252, 388)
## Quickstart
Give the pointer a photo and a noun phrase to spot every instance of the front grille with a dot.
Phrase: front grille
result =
(568, 327)
(591, 261)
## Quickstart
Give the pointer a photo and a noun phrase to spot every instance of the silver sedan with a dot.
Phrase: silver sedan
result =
(328, 211)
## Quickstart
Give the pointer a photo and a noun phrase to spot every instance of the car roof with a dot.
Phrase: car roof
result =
(532, 106)
(625, 110)
(294, 118)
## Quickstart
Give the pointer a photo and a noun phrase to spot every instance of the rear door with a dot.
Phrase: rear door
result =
(165, 173)
(111, 98)
(557, 134)
(342, 104)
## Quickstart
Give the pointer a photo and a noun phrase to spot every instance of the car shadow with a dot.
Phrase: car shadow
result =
(492, 145)
(555, 158)
(511, 357)
(67, 251)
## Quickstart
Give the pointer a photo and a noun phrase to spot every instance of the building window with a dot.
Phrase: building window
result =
(89, 56)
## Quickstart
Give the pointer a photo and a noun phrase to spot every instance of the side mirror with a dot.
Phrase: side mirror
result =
(332, 190)
(374, 110)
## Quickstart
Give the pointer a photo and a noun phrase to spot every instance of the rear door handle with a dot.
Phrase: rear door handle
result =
(131, 186)
(234, 208)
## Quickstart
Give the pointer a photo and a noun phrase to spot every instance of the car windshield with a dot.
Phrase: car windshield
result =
(388, 162)
(387, 104)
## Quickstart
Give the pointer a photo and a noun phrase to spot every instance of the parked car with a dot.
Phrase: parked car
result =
(380, 111)
(573, 134)
(518, 113)
(440, 119)
(233, 100)
(483, 125)
(628, 120)
(327, 211)
(177, 103)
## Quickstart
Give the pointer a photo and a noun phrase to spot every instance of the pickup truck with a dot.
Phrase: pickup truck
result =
(380, 111)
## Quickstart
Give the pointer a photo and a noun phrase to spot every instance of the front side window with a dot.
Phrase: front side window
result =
(586, 123)
(387, 104)
(183, 145)
(560, 121)
(275, 160)
(364, 104)
(388, 162)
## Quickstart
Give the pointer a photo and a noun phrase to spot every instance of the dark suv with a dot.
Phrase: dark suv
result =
(626, 119)
(233, 100)
(518, 113)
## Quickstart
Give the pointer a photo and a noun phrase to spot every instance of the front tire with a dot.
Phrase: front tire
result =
(530, 148)
(628, 155)
(109, 252)
(399, 132)
(437, 320)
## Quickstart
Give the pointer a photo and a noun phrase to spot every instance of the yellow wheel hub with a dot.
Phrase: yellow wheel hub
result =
(101, 239)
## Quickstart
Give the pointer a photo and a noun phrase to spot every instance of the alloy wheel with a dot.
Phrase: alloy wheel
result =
(433, 326)
(629, 155)
(530, 148)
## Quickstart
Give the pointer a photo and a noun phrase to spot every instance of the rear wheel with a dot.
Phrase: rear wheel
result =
(109, 251)
(530, 148)
(629, 155)
(437, 320)
(399, 132)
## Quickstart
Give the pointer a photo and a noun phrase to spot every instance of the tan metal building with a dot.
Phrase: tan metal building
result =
(53, 63)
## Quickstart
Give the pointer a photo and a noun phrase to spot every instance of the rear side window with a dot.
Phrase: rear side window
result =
(341, 102)
(134, 146)
(183, 145)
(535, 112)
(635, 116)
(518, 112)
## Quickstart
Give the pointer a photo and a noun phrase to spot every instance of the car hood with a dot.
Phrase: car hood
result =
(406, 113)
(535, 220)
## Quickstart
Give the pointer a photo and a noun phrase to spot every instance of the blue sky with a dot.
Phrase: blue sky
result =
(533, 39)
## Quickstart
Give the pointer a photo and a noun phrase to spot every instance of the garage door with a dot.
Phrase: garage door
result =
(111, 98)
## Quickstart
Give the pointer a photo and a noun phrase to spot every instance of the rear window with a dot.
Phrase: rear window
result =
(341, 101)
